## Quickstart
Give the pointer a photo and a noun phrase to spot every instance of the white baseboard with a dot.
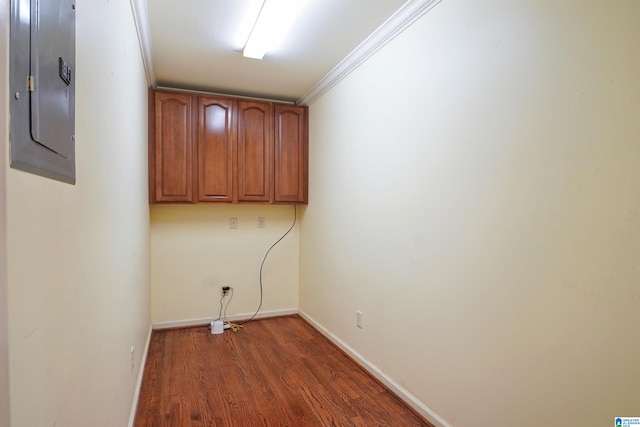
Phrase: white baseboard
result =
(232, 318)
(136, 395)
(402, 393)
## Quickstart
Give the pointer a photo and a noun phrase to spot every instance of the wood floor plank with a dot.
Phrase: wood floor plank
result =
(273, 372)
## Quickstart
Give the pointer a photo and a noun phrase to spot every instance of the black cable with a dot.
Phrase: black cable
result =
(220, 313)
(295, 216)
(224, 317)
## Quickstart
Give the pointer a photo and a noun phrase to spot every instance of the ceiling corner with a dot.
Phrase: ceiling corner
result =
(396, 24)
(141, 19)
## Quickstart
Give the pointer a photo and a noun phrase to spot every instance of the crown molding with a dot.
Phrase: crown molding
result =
(396, 24)
(141, 19)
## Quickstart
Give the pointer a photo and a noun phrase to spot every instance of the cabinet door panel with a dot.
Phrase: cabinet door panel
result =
(173, 148)
(291, 154)
(216, 147)
(254, 151)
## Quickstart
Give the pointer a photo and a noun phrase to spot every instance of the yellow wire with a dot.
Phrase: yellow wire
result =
(234, 326)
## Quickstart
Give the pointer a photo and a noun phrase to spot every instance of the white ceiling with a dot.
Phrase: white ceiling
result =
(191, 45)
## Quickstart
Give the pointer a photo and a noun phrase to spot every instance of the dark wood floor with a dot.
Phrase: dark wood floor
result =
(273, 372)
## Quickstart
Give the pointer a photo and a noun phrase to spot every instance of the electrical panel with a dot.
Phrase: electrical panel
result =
(42, 83)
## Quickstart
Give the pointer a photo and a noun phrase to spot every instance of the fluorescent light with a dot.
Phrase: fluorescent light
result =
(272, 25)
(250, 11)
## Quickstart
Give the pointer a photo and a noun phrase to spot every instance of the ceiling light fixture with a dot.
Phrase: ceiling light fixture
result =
(247, 16)
(274, 21)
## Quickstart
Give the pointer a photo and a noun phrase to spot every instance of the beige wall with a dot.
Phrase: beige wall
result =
(475, 192)
(79, 255)
(194, 252)
(4, 132)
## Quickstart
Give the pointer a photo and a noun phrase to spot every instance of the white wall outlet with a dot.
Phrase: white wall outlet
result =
(133, 358)
(261, 222)
(359, 319)
(233, 223)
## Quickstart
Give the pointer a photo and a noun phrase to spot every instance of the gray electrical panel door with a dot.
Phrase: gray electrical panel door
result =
(43, 87)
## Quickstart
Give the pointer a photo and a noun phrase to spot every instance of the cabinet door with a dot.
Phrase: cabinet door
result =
(291, 154)
(173, 148)
(254, 151)
(216, 148)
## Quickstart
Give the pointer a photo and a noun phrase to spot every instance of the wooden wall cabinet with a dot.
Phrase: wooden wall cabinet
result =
(291, 154)
(255, 148)
(216, 142)
(220, 149)
(171, 130)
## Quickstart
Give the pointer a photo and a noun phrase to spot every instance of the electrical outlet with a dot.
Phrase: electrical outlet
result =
(133, 358)
(359, 319)
(233, 223)
(261, 222)
(224, 289)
